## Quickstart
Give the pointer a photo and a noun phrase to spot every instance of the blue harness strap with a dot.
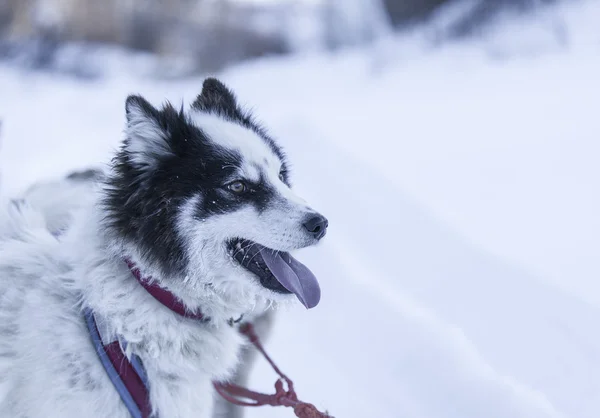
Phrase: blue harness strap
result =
(127, 374)
(130, 379)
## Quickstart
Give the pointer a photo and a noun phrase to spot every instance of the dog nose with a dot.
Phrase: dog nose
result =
(316, 225)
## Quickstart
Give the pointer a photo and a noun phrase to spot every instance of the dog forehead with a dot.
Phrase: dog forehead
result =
(256, 154)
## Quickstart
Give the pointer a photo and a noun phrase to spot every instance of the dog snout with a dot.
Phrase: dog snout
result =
(316, 225)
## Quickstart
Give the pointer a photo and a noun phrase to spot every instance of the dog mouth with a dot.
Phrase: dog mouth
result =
(277, 271)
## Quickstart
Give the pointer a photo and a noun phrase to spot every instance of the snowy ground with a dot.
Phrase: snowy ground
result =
(460, 275)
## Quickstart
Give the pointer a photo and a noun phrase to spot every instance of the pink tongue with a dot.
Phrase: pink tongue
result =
(294, 276)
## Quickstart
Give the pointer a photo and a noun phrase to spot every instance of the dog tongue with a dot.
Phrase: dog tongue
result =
(294, 276)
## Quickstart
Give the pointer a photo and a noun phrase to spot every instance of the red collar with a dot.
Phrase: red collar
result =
(162, 295)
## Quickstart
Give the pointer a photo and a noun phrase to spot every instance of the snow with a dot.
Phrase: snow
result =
(460, 273)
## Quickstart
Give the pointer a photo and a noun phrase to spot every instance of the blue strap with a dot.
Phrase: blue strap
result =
(110, 370)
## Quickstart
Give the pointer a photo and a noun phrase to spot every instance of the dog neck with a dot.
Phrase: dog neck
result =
(110, 289)
(163, 296)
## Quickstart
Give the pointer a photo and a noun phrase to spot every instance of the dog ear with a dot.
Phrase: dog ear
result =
(146, 140)
(216, 97)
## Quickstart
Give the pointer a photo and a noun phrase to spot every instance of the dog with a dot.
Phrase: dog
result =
(58, 200)
(198, 203)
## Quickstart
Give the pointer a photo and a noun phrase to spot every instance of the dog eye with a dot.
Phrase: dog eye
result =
(282, 177)
(237, 187)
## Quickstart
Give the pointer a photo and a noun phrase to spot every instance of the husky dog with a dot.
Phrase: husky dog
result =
(199, 200)
(59, 199)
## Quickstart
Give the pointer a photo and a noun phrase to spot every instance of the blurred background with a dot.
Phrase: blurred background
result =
(186, 37)
(453, 144)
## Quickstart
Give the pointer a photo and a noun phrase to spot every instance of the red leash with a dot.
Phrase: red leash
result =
(281, 397)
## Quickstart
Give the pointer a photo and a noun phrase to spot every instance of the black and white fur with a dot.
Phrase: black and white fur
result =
(167, 204)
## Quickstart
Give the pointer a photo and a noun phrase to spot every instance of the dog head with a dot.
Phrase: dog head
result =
(204, 196)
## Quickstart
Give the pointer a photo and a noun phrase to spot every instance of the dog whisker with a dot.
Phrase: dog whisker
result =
(246, 255)
(248, 246)
(257, 253)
